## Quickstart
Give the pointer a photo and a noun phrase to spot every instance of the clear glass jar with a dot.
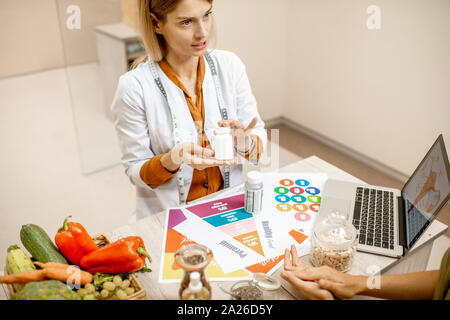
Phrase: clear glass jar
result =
(192, 258)
(334, 242)
(254, 288)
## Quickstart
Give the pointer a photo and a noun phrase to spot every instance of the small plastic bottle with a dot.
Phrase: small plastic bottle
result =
(253, 192)
(223, 144)
(196, 291)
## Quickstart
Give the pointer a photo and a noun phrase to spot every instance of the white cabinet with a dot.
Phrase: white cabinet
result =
(118, 45)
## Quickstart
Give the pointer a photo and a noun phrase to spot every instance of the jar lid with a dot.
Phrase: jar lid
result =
(336, 231)
(265, 282)
(192, 257)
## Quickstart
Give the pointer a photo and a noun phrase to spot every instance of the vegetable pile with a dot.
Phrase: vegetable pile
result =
(104, 273)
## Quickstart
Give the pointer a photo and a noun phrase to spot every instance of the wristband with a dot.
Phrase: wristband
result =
(252, 146)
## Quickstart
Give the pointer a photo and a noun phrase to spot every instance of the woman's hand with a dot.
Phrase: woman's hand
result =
(193, 155)
(293, 268)
(240, 133)
(342, 285)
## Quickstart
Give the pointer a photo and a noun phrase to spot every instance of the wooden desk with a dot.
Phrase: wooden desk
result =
(151, 229)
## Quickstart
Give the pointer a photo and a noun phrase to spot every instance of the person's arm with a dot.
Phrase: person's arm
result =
(410, 286)
(162, 168)
(131, 126)
(155, 171)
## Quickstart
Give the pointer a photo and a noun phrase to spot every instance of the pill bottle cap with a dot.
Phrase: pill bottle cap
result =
(223, 130)
(254, 177)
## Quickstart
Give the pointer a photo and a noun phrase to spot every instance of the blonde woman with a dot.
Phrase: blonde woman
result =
(168, 107)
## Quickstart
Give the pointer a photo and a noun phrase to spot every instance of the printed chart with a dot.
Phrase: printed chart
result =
(242, 229)
(291, 204)
(173, 240)
(228, 215)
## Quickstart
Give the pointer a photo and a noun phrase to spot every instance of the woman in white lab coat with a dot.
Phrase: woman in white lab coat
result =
(168, 107)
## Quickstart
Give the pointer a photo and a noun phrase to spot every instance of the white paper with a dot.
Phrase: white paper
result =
(229, 253)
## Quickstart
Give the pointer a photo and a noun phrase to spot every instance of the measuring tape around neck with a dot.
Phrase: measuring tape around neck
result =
(175, 129)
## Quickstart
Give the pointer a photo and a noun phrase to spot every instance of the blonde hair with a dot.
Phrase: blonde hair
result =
(154, 43)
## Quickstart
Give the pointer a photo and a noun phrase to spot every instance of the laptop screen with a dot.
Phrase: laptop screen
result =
(427, 191)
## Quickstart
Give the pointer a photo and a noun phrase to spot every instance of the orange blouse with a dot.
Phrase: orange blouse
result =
(205, 181)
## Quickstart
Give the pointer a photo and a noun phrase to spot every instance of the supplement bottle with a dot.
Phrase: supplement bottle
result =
(253, 192)
(223, 144)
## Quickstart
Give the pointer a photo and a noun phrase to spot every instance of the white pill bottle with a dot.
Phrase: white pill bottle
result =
(223, 144)
(253, 192)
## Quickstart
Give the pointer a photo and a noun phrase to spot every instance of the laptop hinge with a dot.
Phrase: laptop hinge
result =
(401, 223)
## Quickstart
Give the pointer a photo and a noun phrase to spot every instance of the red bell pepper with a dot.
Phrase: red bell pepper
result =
(74, 242)
(124, 255)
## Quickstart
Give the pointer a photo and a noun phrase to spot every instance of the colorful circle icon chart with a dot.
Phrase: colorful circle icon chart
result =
(302, 182)
(283, 198)
(286, 182)
(296, 190)
(281, 190)
(284, 207)
(297, 197)
(312, 190)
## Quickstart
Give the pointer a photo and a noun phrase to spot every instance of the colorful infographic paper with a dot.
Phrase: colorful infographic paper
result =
(228, 216)
(174, 240)
(229, 253)
(290, 205)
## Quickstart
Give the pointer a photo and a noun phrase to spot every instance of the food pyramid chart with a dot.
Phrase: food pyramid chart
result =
(229, 216)
(174, 241)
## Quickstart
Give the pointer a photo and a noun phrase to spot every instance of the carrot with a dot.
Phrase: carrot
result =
(69, 275)
(51, 265)
(24, 277)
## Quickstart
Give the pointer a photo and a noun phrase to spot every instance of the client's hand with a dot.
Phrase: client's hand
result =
(293, 269)
(342, 285)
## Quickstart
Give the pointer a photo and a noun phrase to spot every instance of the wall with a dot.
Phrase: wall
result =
(384, 93)
(29, 35)
(256, 31)
(35, 37)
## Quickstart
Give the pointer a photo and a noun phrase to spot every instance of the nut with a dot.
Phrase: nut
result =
(339, 259)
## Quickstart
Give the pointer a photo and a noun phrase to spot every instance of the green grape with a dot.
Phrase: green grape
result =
(117, 281)
(89, 297)
(108, 285)
(82, 292)
(121, 294)
(129, 291)
(125, 284)
(104, 293)
(89, 288)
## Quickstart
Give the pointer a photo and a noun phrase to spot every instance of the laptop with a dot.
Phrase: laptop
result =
(389, 221)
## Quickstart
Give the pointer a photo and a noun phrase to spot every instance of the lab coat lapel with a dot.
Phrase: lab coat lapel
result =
(178, 103)
(212, 111)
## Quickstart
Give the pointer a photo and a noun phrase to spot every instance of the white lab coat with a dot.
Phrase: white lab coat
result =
(143, 123)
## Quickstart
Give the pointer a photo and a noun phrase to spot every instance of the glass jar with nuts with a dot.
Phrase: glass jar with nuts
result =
(334, 242)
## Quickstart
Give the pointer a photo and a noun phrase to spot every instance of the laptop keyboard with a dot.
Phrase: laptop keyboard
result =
(373, 217)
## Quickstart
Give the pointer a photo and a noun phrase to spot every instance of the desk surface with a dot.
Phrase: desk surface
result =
(151, 229)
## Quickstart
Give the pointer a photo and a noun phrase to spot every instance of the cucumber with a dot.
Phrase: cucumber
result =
(17, 261)
(39, 245)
